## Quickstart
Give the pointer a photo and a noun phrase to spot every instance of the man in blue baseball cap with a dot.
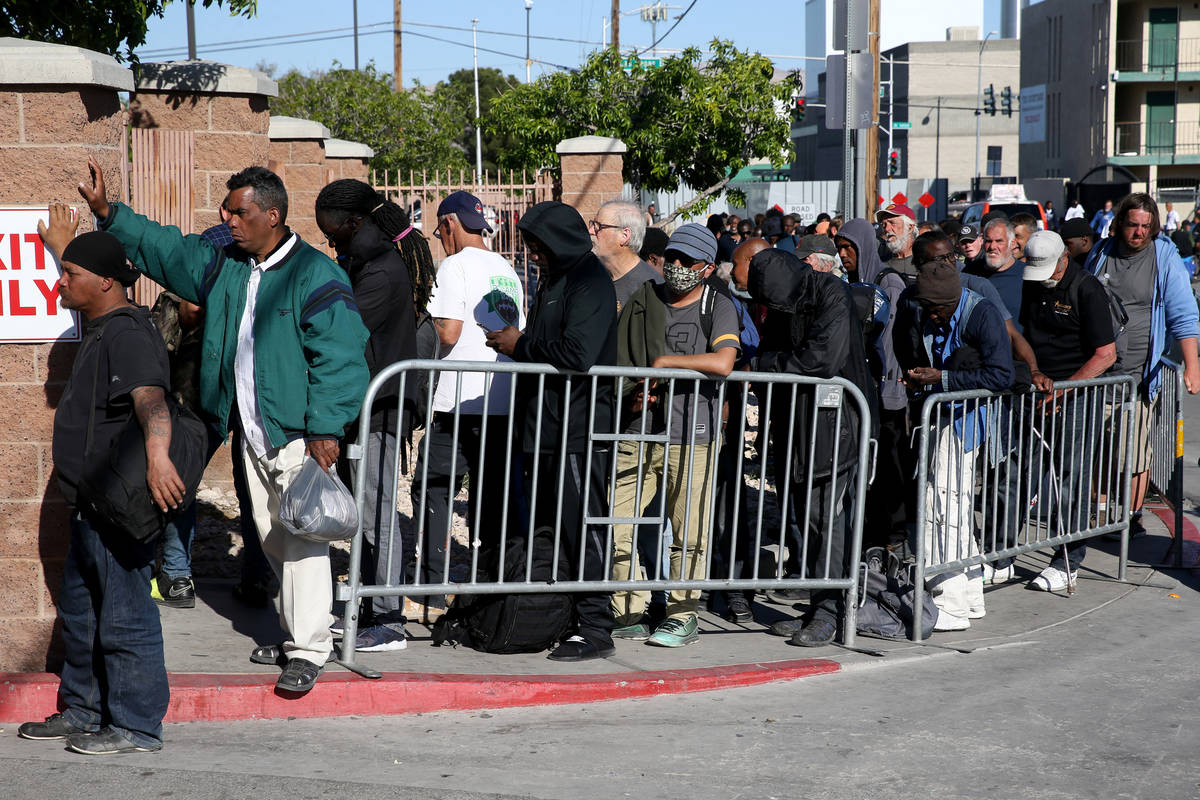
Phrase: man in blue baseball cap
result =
(464, 210)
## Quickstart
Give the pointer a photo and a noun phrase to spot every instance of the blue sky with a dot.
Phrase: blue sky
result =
(773, 28)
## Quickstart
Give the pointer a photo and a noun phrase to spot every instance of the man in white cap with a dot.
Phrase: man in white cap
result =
(1066, 317)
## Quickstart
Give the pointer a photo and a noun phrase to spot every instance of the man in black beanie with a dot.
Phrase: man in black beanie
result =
(114, 682)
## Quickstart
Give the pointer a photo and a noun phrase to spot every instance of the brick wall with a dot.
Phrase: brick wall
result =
(591, 179)
(339, 168)
(301, 162)
(45, 141)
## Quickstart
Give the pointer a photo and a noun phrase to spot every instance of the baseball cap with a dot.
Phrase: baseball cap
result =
(1042, 252)
(1076, 229)
(468, 208)
(968, 233)
(696, 241)
(816, 243)
(895, 210)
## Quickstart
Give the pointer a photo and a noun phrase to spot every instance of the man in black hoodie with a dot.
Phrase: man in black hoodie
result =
(572, 325)
(816, 313)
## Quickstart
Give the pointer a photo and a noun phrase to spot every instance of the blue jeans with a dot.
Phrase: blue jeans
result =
(177, 538)
(113, 674)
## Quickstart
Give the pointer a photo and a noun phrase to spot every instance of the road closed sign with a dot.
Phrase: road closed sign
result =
(29, 273)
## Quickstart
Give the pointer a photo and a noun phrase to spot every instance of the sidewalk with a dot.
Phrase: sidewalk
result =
(207, 651)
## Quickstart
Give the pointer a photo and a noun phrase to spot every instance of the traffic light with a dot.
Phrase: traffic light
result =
(1006, 101)
(800, 107)
(893, 163)
(989, 101)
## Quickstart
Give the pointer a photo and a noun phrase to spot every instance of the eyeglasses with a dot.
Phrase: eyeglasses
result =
(437, 232)
(676, 257)
(331, 237)
(596, 226)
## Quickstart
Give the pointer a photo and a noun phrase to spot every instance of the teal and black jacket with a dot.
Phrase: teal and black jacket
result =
(309, 339)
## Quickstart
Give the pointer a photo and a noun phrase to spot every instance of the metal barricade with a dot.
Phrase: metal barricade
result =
(646, 458)
(999, 475)
(1166, 440)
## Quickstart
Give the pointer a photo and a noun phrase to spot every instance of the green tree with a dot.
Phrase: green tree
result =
(691, 120)
(114, 28)
(407, 130)
(457, 95)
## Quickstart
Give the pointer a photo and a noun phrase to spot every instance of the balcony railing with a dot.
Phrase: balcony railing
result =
(1158, 138)
(1158, 55)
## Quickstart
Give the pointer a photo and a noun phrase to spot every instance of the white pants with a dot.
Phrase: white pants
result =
(949, 513)
(305, 584)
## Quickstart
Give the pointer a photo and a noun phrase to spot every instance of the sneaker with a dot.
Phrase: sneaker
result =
(1052, 579)
(379, 639)
(676, 632)
(787, 597)
(577, 648)
(174, 592)
(739, 609)
(338, 628)
(638, 632)
(997, 575)
(55, 727)
(949, 622)
(105, 743)
(786, 628)
(817, 633)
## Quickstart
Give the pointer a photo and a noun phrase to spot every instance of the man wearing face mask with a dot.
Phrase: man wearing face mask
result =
(681, 324)
(1065, 313)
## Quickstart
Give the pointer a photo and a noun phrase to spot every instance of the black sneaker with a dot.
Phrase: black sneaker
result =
(817, 633)
(739, 609)
(105, 743)
(176, 592)
(786, 627)
(55, 727)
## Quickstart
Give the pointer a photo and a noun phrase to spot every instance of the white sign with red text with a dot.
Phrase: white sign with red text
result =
(29, 273)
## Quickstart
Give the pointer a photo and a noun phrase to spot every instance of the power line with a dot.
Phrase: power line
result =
(678, 20)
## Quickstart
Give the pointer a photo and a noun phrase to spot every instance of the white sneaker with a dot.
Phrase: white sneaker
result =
(1052, 579)
(949, 622)
(994, 576)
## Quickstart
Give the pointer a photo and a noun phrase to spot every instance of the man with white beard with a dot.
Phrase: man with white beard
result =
(1000, 265)
(899, 225)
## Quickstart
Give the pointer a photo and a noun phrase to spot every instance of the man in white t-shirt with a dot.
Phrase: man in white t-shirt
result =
(476, 290)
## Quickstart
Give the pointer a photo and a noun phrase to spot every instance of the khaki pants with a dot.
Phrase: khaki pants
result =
(305, 585)
(687, 506)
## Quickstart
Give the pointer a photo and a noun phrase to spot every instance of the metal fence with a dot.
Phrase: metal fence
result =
(1000, 475)
(1166, 438)
(776, 502)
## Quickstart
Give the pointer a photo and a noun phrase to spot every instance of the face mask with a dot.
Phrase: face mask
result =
(680, 279)
(1050, 283)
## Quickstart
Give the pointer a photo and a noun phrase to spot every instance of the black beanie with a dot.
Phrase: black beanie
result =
(100, 253)
(938, 283)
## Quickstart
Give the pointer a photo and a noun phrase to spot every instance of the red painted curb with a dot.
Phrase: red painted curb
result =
(212, 698)
(1190, 532)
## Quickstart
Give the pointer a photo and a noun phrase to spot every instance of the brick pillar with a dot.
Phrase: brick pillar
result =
(347, 160)
(226, 107)
(59, 105)
(591, 172)
(298, 154)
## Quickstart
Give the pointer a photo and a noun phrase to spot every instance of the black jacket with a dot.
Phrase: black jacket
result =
(572, 325)
(814, 310)
(383, 291)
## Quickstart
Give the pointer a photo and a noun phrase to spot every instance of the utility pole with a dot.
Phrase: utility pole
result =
(356, 35)
(849, 206)
(478, 134)
(528, 61)
(616, 24)
(191, 30)
(397, 67)
(871, 146)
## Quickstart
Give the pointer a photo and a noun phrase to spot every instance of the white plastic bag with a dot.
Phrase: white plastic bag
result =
(318, 506)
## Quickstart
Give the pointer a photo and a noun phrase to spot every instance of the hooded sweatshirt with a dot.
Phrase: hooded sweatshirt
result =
(572, 325)
(825, 342)
(861, 234)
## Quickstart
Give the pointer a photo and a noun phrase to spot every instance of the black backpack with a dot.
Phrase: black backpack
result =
(511, 623)
(886, 599)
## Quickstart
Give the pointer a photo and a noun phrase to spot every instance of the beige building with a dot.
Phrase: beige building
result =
(1112, 82)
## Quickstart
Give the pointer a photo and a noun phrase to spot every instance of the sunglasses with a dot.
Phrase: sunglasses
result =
(676, 257)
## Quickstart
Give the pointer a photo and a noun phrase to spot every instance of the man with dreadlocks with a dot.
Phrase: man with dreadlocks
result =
(358, 223)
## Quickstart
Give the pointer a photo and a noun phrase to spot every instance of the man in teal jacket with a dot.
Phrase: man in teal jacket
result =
(281, 358)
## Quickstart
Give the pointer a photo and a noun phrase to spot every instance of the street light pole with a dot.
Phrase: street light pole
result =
(978, 104)
(478, 134)
(528, 63)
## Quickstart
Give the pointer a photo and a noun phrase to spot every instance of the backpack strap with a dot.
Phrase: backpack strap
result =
(708, 299)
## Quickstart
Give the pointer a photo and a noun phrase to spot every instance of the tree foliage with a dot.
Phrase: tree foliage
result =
(407, 130)
(114, 28)
(457, 95)
(691, 120)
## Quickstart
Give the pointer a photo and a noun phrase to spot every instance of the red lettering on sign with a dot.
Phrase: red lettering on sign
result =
(14, 249)
(14, 301)
(39, 250)
(50, 293)
(2, 264)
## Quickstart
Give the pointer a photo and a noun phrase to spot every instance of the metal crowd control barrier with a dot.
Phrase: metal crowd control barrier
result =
(1166, 438)
(799, 495)
(999, 475)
